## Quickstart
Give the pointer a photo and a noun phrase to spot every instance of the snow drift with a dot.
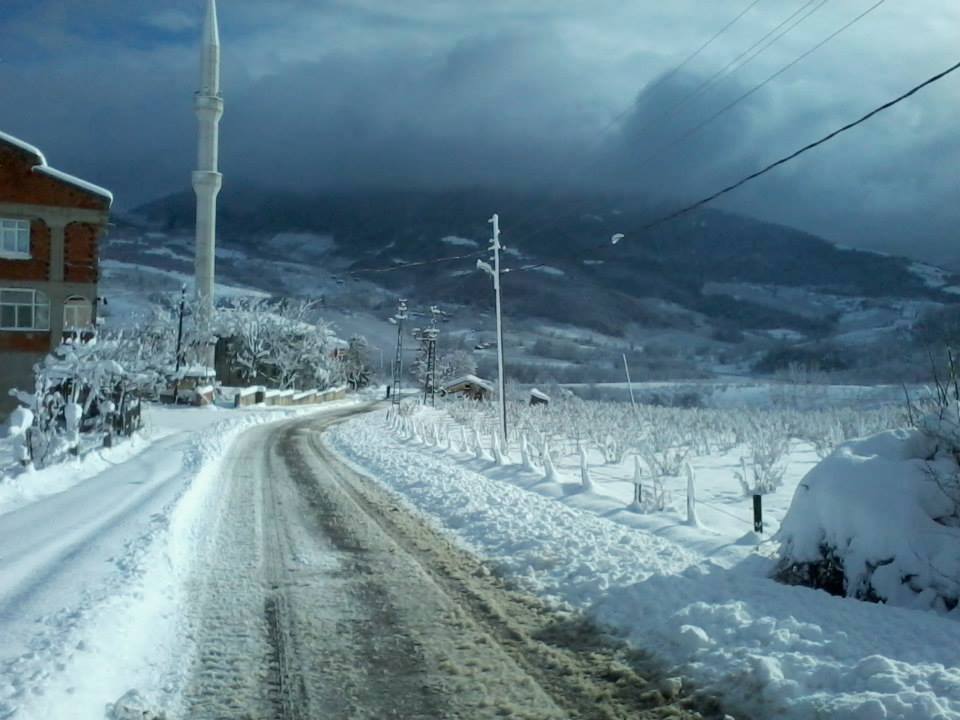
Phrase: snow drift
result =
(878, 519)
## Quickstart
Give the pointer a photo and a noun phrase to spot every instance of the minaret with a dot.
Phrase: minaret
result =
(207, 179)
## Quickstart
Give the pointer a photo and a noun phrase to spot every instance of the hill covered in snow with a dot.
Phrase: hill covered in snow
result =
(709, 290)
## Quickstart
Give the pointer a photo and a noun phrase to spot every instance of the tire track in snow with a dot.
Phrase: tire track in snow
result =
(322, 597)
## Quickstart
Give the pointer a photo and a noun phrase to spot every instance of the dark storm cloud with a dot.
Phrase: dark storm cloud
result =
(533, 93)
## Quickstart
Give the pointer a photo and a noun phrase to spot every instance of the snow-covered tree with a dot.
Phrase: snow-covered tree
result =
(355, 364)
(454, 364)
(282, 344)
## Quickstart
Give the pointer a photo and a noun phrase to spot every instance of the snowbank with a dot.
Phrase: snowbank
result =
(875, 521)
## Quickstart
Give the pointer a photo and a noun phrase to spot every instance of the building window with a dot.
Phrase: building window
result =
(14, 238)
(24, 309)
(77, 313)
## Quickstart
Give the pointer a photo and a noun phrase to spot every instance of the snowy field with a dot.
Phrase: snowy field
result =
(693, 590)
(93, 554)
(739, 392)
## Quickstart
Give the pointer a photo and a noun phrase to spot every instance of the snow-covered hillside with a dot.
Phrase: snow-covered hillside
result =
(727, 325)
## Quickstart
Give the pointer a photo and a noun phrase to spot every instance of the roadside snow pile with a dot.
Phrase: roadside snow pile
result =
(878, 520)
(19, 486)
(565, 554)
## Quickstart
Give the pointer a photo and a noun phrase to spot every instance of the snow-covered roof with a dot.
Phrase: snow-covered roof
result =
(45, 169)
(192, 371)
(471, 380)
(539, 395)
(17, 142)
(75, 181)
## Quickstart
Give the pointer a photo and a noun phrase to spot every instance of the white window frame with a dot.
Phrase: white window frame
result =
(74, 305)
(37, 308)
(14, 238)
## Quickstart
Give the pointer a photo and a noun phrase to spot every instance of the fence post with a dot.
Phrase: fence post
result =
(586, 482)
(637, 483)
(758, 514)
(28, 439)
(692, 518)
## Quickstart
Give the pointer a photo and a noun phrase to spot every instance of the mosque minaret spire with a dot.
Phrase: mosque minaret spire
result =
(207, 178)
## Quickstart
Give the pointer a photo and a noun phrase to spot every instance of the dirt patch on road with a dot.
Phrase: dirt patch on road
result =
(585, 672)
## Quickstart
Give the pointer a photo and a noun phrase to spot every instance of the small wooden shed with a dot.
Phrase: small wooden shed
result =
(469, 386)
(539, 398)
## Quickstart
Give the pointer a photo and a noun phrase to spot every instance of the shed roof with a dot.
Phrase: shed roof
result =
(471, 380)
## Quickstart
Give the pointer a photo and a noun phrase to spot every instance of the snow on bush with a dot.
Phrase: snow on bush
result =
(879, 519)
(76, 393)
(19, 422)
(762, 472)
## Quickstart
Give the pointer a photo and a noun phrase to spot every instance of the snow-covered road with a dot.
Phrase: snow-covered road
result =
(69, 548)
(219, 570)
(90, 567)
(317, 596)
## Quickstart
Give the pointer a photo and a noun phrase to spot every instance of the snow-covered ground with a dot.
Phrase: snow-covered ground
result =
(92, 554)
(697, 596)
(738, 392)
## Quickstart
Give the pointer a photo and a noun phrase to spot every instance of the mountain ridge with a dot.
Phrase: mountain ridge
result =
(674, 263)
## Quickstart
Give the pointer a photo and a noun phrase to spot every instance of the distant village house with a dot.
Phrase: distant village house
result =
(537, 397)
(469, 386)
(50, 226)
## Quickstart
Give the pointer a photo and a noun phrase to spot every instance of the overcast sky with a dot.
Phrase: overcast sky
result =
(531, 93)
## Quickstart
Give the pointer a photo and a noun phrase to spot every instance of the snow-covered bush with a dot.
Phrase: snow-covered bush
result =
(77, 390)
(19, 424)
(762, 471)
(354, 368)
(656, 498)
(665, 451)
(878, 520)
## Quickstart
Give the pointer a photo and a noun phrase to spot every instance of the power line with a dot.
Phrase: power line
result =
(670, 73)
(723, 71)
(400, 266)
(724, 191)
(806, 148)
(709, 42)
(782, 161)
(759, 86)
(693, 131)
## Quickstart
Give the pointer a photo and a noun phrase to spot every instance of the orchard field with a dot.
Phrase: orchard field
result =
(729, 453)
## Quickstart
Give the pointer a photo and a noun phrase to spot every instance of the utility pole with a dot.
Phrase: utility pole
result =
(495, 273)
(428, 353)
(430, 336)
(176, 380)
(398, 361)
(626, 368)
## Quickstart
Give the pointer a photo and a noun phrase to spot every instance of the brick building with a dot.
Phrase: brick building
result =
(50, 223)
